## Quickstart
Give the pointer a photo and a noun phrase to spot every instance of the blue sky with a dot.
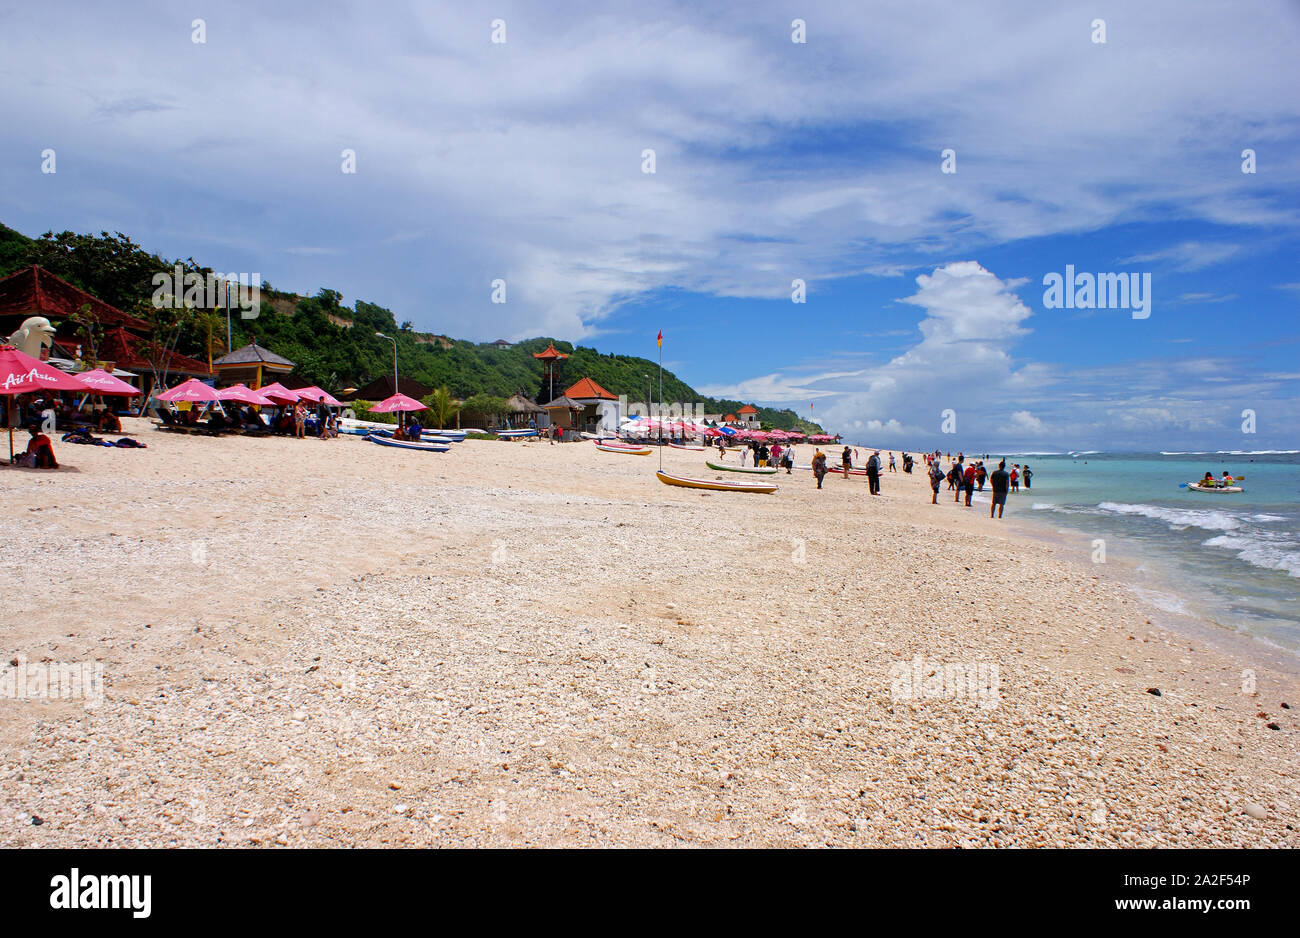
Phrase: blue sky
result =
(774, 161)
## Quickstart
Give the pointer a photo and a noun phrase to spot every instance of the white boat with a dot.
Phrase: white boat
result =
(1215, 489)
(514, 434)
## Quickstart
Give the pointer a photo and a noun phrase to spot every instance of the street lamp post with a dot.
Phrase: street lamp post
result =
(396, 389)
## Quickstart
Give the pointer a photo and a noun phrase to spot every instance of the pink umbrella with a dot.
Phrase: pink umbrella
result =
(20, 373)
(314, 393)
(398, 402)
(101, 382)
(279, 392)
(192, 390)
(245, 395)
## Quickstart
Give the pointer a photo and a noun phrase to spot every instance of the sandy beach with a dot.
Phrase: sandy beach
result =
(312, 643)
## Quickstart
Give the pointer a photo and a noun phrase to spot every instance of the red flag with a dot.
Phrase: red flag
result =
(661, 338)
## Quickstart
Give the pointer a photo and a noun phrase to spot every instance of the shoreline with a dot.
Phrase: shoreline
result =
(333, 643)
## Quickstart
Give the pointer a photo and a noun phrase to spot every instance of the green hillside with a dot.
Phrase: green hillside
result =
(335, 346)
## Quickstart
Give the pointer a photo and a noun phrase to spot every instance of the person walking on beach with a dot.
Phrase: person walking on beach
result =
(891, 463)
(959, 474)
(970, 483)
(744, 452)
(299, 420)
(846, 460)
(936, 480)
(819, 466)
(1000, 481)
(873, 474)
(980, 474)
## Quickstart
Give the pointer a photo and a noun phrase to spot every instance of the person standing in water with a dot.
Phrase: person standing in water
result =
(1001, 482)
(1026, 475)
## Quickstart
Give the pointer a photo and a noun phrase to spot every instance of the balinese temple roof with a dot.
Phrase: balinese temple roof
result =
(253, 354)
(587, 389)
(550, 354)
(34, 291)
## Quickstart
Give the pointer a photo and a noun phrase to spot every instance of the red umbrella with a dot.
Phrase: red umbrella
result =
(395, 403)
(279, 392)
(192, 390)
(245, 395)
(101, 382)
(314, 393)
(20, 373)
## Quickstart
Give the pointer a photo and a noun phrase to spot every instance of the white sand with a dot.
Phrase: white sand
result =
(334, 643)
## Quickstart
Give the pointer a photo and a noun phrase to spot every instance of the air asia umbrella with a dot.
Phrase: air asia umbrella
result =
(279, 392)
(101, 382)
(314, 393)
(245, 395)
(192, 390)
(20, 374)
(398, 402)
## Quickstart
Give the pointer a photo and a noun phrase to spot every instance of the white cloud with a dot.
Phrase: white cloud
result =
(1188, 256)
(522, 160)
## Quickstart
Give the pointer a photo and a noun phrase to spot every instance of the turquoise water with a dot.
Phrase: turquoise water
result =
(1231, 559)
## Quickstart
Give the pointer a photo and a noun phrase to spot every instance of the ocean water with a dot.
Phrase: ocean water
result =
(1232, 560)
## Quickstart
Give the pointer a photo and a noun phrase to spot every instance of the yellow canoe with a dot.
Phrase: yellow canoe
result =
(762, 488)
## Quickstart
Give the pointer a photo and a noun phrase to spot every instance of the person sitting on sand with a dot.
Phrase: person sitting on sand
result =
(106, 422)
(40, 451)
(819, 466)
(413, 430)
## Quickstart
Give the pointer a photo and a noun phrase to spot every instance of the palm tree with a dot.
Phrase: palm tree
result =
(441, 404)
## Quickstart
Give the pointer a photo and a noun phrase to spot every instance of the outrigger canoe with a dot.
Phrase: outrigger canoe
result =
(693, 449)
(626, 451)
(618, 444)
(752, 470)
(762, 488)
(514, 434)
(407, 444)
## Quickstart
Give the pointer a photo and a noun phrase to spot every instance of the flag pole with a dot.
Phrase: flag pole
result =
(661, 400)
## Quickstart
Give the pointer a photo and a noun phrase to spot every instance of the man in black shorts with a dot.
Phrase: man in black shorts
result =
(1001, 482)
